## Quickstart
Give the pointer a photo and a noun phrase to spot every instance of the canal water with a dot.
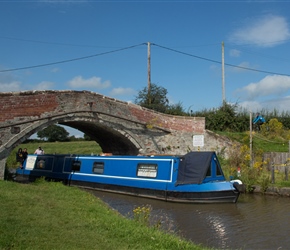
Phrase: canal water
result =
(254, 222)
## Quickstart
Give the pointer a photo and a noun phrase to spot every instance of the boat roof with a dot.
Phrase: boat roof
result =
(193, 167)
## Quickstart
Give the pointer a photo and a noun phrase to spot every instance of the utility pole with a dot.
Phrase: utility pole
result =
(251, 141)
(149, 72)
(223, 72)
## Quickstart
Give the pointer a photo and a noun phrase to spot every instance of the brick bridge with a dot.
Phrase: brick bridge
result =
(118, 127)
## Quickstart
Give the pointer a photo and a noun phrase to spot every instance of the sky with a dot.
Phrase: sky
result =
(102, 46)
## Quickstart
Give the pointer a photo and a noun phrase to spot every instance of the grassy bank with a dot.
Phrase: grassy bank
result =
(259, 142)
(74, 147)
(47, 215)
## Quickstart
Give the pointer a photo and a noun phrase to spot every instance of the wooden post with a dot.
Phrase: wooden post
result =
(223, 73)
(273, 174)
(251, 141)
(149, 72)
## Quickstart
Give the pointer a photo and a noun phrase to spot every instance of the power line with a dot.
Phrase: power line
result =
(219, 62)
(71, 60)
(130, 47)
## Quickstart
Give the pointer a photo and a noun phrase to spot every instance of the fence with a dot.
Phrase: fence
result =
(278, 161)
(286, 167)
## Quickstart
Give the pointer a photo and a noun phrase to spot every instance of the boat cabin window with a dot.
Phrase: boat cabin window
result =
(147, 170)
(208, 173)
(76, 166)
(98, 168)
(44, 164)
(214, 169)
(218, 168)
(218, 171)
(70, 164)
(40, 164)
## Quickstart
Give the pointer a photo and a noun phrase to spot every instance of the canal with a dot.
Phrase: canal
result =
(254, 222)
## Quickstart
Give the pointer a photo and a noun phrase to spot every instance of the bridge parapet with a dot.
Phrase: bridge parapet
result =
(20, 107)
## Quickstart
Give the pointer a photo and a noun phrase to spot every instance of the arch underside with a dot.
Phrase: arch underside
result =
(109, 139)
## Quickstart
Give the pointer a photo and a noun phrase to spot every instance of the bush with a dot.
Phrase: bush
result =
(264, 181)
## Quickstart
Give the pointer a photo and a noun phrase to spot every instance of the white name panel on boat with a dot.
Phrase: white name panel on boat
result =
(147, 171)
(30, 161)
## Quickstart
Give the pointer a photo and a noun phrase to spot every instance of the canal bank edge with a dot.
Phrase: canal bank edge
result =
(278, 191)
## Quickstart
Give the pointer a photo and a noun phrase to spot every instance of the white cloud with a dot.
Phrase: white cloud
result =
(122, 91)
(235, 53)
(44, 85)
(279, 104)
(252, 106)
(13, 86)
(242, 65)
(8, 82)
(55, 70)
(93, 82)
(265, 31)
(270, 85)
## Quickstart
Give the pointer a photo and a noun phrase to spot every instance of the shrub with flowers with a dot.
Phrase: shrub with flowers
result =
(240, 158)
(142, 214)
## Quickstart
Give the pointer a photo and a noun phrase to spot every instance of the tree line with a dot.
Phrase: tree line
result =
(226, 117)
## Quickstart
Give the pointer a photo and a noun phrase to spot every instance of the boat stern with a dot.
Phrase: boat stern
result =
(238, 185)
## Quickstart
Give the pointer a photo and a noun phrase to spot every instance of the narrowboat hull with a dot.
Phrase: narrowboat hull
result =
(226, 196)
(167, 178)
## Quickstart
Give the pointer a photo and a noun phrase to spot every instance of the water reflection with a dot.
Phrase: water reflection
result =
(255, 222)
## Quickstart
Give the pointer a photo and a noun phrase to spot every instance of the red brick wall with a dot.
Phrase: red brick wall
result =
(180, 123)
(24, 104)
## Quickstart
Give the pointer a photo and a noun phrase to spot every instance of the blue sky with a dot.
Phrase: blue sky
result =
(103, 48)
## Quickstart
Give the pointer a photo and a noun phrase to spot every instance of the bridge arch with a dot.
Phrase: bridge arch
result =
(111, 139)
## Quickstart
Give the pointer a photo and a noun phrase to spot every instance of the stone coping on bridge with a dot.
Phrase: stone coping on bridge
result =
(52, 103)
(34, 92)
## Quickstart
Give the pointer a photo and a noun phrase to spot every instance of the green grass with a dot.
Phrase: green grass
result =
(269, 145)
(282, 183)
(49, 215)
(258, 141)
(74, 147)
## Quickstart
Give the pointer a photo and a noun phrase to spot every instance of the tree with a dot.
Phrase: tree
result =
(176, 109)
(53, 133)
(158, 98)
(225, 118)
(87, 137)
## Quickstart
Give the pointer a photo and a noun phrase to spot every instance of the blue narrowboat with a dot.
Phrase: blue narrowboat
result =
(196, 177)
